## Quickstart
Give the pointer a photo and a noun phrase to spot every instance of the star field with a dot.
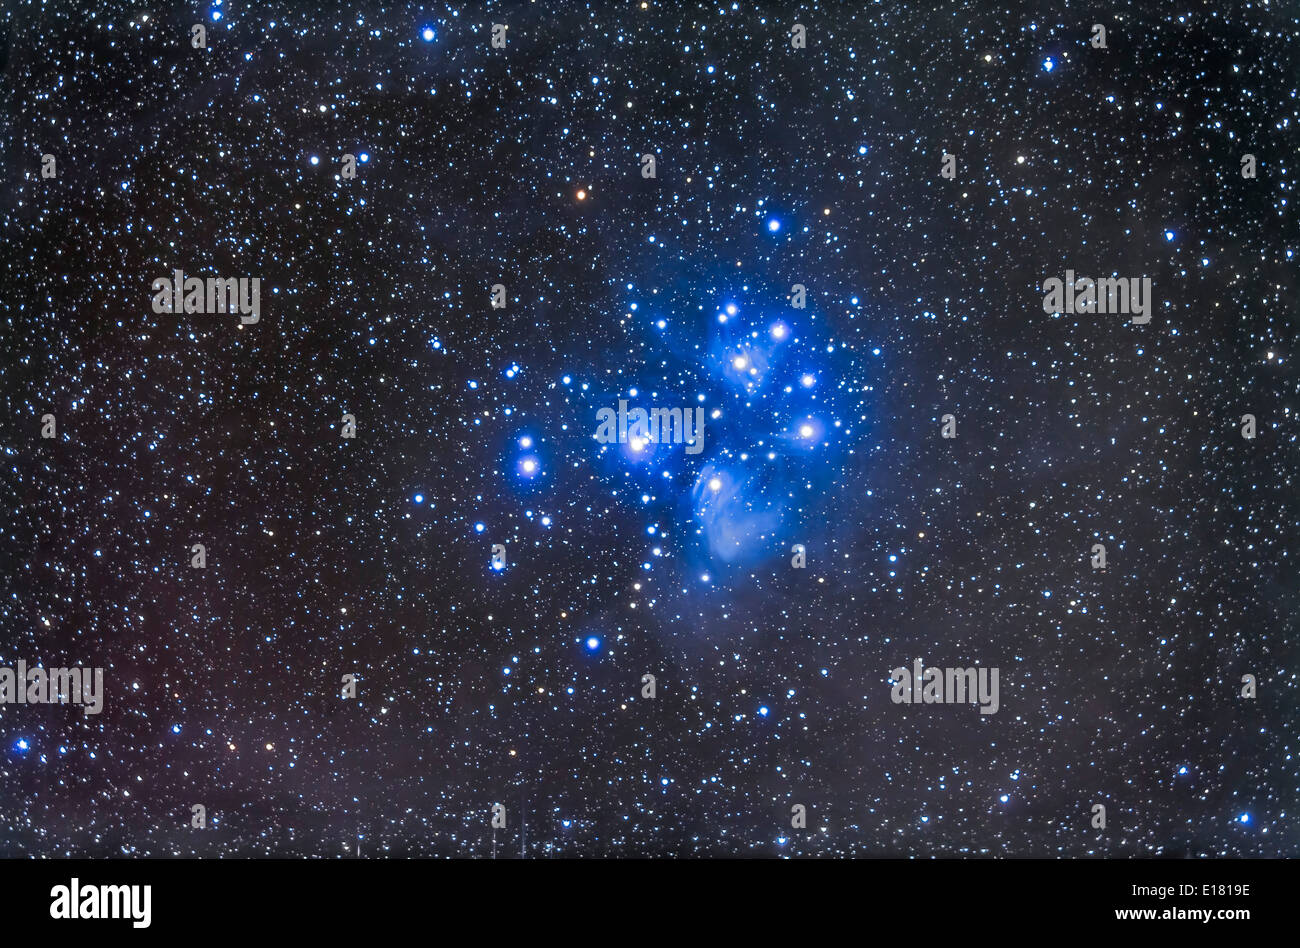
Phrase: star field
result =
(519, 680)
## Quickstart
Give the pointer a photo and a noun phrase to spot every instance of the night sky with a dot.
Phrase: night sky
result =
(522, 684)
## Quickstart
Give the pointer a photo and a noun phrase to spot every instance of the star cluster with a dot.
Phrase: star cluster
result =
(499, 580)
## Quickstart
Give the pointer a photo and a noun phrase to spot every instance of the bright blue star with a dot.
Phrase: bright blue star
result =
(1244, 818)
(1169, 235)
(419, 498)
(21, 745)
(428, 34)
(774, 225)
(1048, 65)
(763, 711)
(593, 643)
(808, 431)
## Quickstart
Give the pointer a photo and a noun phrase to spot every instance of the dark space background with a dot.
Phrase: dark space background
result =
(523, 686)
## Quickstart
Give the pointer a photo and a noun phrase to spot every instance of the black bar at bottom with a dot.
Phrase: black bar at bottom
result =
(362, 898)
